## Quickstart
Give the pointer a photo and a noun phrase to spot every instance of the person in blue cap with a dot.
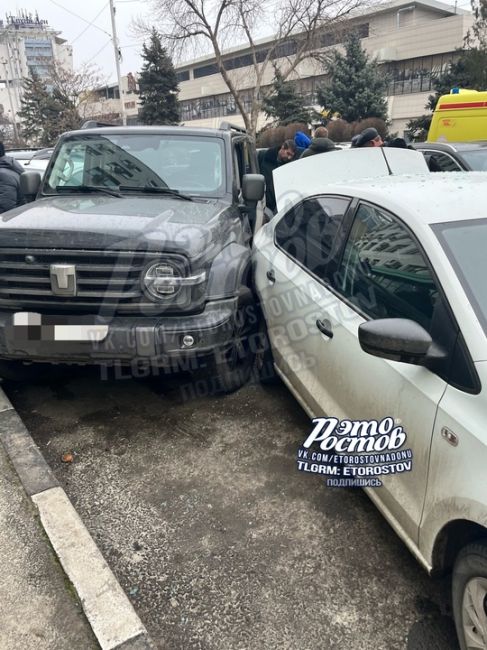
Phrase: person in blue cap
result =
(302, 142)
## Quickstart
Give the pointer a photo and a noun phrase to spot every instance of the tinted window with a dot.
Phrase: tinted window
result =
(441, 162)
(476, 158)
(465, 244)
(383, 271)
(307, 232)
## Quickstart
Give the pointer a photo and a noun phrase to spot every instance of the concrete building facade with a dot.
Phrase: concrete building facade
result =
(27, 42)
(412, 40)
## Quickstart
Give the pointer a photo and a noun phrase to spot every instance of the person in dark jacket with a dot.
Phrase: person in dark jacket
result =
(270, 159)
(10, 192)
(319, 145)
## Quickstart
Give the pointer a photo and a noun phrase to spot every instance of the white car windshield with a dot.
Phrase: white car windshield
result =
(465, 242)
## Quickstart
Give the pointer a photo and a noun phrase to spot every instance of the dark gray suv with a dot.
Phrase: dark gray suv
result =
(454, 156)
(135, 251)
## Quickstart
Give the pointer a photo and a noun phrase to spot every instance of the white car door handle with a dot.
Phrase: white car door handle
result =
(271, 276)
(325, 327)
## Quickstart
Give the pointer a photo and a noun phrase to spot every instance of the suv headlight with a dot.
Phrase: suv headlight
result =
(162, 280)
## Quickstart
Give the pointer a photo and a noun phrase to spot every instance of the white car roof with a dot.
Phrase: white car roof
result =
(396, 179)
(437, 197)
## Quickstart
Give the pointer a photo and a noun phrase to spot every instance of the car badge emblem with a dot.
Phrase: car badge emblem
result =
(63, 279)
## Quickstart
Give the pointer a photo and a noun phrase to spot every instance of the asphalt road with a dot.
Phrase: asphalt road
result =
(216, 537)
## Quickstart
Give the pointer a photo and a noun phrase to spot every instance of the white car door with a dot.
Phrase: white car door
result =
(383, 274)
(286, 280)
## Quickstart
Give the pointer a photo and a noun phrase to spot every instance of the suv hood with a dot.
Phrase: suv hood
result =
(98, 222)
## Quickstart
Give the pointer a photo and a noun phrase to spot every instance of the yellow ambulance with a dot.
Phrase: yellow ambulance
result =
(460, 116)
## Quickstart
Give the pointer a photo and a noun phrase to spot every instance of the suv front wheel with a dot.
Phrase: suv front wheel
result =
(230, 368)
(469, 596)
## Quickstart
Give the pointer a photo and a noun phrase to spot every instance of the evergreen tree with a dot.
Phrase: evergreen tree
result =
(158, 85)
(358, 87)
(283, 104)
(39, 112)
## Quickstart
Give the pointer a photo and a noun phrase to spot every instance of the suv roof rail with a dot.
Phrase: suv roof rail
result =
(93, 124)
(228, 126)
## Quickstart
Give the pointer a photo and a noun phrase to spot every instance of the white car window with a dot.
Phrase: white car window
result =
(307, 232)
(383, 271)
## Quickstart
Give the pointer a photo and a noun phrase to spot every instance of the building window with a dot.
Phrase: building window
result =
(288, 48)
(205, 70)
(183, 75)
(416, 75)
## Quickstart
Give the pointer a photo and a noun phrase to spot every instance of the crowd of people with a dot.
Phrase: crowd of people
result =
(303, 146)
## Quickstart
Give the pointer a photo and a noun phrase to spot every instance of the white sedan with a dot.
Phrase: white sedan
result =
(374, 292)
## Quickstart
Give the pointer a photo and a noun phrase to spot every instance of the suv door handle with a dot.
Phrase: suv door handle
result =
(271, 276)
(325, 327)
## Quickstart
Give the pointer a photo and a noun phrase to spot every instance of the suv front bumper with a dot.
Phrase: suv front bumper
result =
(130, 339)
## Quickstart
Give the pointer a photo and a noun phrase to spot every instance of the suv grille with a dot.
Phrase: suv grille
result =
(106, 280)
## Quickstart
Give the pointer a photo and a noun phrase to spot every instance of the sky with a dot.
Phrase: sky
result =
(86, 25)
(90, 42)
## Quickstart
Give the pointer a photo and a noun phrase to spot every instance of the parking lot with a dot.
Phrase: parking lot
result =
(215, 536)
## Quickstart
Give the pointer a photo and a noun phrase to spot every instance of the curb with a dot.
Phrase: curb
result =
(110, 613)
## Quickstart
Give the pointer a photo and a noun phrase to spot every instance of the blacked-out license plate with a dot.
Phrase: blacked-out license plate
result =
(30, 326)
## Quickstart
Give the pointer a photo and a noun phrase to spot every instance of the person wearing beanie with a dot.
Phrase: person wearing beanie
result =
(368, 138)
(301, 140)
(318, 145)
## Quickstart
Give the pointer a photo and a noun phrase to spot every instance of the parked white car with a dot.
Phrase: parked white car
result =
(35, 160)
(374, 292)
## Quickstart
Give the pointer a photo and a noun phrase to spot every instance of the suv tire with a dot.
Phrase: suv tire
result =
(229, 369)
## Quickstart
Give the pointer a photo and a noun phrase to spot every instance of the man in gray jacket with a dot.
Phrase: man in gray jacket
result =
(10, 192)
(320, 143)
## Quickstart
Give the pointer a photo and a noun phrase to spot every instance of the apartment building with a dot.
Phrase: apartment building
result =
(412, 40)
(27, 42)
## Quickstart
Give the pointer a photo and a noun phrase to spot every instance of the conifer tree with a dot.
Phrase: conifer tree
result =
(358, 88)
(39, 112)
(283, 104)
(158, 85)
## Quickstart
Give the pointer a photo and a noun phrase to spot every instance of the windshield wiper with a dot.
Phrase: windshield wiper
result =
(156, 190)
(86, 189)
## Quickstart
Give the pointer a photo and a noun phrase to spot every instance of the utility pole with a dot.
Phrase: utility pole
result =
(116, 49)
(14, 116)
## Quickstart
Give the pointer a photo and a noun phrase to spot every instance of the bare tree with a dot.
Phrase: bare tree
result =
(195, 26)
(57, 104)
(75, 90)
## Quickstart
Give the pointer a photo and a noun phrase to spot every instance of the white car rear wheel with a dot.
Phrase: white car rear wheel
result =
(469, 595)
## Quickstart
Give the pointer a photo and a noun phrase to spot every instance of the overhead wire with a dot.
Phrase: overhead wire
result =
(99, 51)
(79, 17)
(90, 24)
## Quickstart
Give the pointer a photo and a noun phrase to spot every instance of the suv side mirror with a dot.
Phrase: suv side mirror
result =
(397, 339)
(30, 183)
(253, 187)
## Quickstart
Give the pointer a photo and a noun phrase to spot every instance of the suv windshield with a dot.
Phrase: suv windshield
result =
(465, 242)
(190, 164)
